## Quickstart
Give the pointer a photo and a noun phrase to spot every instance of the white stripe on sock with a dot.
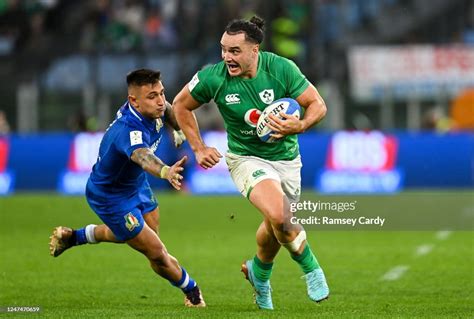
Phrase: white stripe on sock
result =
(90, 234)
(185, 283)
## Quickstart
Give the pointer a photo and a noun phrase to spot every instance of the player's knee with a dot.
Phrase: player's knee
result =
(278, 221)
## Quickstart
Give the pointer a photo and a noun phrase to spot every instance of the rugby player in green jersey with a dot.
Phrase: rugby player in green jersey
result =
(268, 174)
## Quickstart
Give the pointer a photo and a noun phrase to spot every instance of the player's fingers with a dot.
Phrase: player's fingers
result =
(276, 119)
(177, 179)
(274, 124)
(210, 163)
(207, 162)
(274, 128)
(277, 135)
(214, 158)
(216, 152)
(287, 116)
(182, 160)
(177, 186)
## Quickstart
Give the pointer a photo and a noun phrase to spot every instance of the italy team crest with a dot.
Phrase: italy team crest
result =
(131, 222)
(267, 96)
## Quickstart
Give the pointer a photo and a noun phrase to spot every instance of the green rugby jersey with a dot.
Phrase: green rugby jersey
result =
(240, 100)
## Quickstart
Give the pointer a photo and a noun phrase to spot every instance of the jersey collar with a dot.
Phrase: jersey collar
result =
(150, 124)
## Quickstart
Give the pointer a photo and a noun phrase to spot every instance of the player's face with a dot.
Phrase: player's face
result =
(240, 56)
(149, 100)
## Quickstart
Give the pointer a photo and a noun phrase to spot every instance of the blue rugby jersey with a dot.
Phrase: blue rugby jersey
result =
(115, 179)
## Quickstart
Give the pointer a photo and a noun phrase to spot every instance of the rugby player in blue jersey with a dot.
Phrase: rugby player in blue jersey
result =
(118, 190)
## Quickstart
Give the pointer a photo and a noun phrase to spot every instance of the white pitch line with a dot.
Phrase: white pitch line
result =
(443, 234)
(395, 273)
(424, 249)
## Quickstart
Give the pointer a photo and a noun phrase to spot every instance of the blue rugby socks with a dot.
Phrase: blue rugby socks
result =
(83, 236)
(186, 283)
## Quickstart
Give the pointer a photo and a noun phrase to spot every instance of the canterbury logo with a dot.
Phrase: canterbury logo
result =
(232, 98)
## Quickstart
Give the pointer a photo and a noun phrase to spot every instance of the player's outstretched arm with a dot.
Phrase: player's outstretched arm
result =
(183, 106)
(155, 166)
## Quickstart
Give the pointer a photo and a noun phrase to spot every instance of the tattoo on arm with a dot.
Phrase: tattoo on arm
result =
(170, 117)
(148, 161)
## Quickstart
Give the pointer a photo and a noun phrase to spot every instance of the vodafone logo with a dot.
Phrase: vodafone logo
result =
(251, 117)
(232, 98)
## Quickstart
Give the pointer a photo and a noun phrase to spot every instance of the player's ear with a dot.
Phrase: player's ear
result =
(132, 99)
(256, 48)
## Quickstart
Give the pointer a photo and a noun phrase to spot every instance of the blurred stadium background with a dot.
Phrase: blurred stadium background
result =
(397, 77)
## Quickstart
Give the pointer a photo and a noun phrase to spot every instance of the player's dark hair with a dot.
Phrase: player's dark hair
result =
(143, 77)
(252, 28)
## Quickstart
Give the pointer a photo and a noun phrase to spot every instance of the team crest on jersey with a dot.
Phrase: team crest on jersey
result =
(251, 117)
(131, 222)
(159, 124)
(267, 96)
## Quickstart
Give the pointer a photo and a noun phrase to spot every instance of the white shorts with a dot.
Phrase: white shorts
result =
(248, 171)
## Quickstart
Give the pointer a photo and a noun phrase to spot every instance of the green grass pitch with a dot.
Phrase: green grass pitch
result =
(211, 236)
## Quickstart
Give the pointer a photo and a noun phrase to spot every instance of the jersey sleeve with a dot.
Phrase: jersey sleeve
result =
(296, 82)
(206, 82)
(131, 138)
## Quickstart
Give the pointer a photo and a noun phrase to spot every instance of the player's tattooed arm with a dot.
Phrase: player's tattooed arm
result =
(153, 165)
(170, 117)
(148, 161)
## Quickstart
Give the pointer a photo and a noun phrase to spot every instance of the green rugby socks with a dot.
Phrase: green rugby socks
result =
(306, 260)
(261, 270)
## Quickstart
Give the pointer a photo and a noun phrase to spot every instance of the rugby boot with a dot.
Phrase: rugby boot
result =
(60, 240)
(263, 290)
(318, 289)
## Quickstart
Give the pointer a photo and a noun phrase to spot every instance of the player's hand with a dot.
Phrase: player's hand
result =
(179, 138)
(289, 125)
(207, 157)
(174, 176)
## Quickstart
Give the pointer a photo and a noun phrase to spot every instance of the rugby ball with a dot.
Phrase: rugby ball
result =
(285, 105)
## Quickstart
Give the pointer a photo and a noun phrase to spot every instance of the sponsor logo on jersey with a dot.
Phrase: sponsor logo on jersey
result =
(194, 81)
(233, 98)
(267, 96)
(131, 222)
(248, 132)
(154, 146)
(159, 124)
(136, 138)
(251, 117)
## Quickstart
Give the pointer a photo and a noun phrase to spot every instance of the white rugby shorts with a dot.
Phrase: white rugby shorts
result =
(248, 171)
